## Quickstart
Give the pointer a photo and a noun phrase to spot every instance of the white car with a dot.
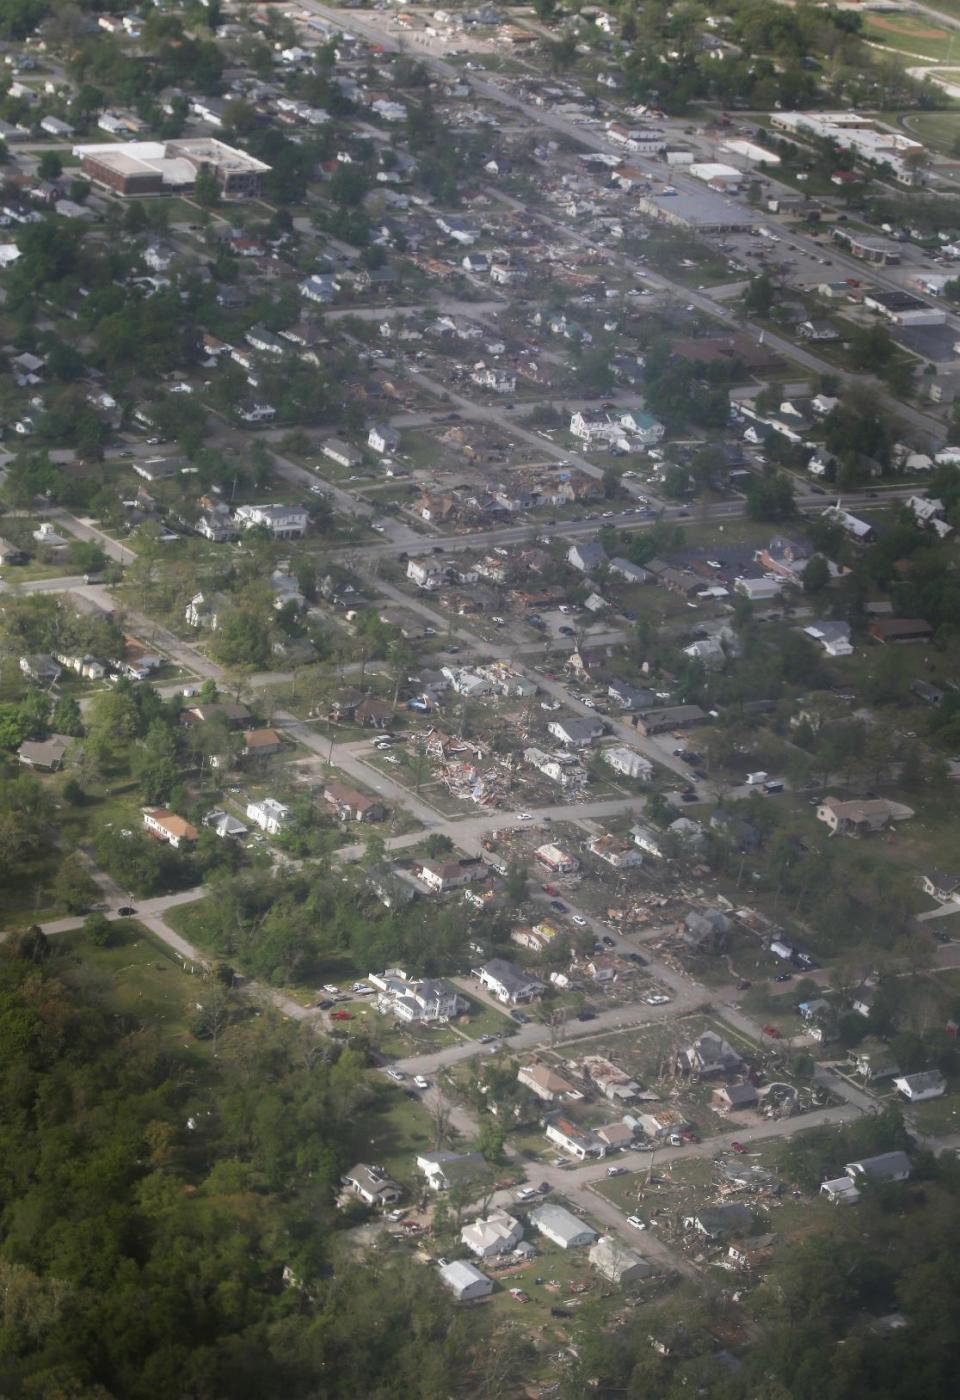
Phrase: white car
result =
(549, 704)
(420, 1082)
(396, 1074)
(636, 1222)
(616, 1171)
(579, 920)
(590, 704)
(329, 987)
(657, 999)
(526, 1193)
(524, 816)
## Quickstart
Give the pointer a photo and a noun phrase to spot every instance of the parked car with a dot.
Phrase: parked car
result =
(616, 1171)
(396, 1074)
(420, 1082)
(579, 920)
(738, 1147)
(744, 984)
(521, 1016)
(341, 1015)
(636, 1222)
(772, 1032)
(587, 1015)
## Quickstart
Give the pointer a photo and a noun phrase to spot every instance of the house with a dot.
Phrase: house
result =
(713, 1222)
(709, 1054)
(546, 1083)
(236, 716)
(840, 1191)
(587, 557)
(900, 630)
(945, 889)
(646, 430)
(556, 859)
(734, 1098)
(205, 610)
(271, 816)
(431, 1000)
(559, 768)
(629, 697)
(47, 755)
(40, 667)
(224, 824)
(579, 1143)
(501, 381)
(465, 1281)
(611, 1081)
(372, 713)
(499, 1233)
(617, 1135)
(752, 1252)
(818, 329)
(648, 839)
(446, 1169)
(509, 983)
(383, 440)
(352, 805)
(11, 553)
(670, 717)
(861, 816)
(659, 1123)
(372, 1185)
(929, 1084)
(576, 732)
(859, 530)
(615, 851)
(628, 763)
(874, 1060)
(283, 522)
(834, 637)
(261, 743)
(426, 573)
(443, 875)
(889, 1166)
(591, 425)
(706, 930)
(561, 1226)
(342, 453)
(167, 826)
(633, 573)
(929, 694)
(617, 1263)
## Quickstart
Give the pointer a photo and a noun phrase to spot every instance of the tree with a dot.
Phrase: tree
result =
(49, 166)
(73, 887)
(770, 497)
(99, 930)
(816, 575)
(517, 882)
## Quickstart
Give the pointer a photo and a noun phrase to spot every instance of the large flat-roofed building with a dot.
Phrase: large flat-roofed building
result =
(161, 167)
(704, 211)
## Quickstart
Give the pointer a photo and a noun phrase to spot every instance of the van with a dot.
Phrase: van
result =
(773, 787)
(756, 779)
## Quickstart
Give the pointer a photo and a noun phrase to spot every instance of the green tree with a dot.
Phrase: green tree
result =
(99, 930)
(49, 166)
(816, 575)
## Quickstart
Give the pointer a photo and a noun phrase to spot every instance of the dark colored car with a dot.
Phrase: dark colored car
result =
(608, 941)
(638, 959)
(127, 911)
(520, 1016)
(587, 1015)
(744, 984)
(559, 905)
(784, 977)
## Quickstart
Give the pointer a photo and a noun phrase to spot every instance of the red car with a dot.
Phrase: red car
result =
(738, 1147)
(772, 1032)
(341, 1015)
(549, 889)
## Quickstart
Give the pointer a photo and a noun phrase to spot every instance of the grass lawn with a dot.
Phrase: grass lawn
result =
(135, 976)
(939, 130)
(911, 34)
(398, 1129)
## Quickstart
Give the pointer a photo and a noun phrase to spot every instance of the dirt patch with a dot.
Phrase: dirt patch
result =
(906, 28)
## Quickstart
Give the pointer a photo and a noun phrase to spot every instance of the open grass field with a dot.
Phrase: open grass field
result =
(912, 34)
(939, 131)
(135, 976)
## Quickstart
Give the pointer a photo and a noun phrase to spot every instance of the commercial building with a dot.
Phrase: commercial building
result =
(167, 167)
